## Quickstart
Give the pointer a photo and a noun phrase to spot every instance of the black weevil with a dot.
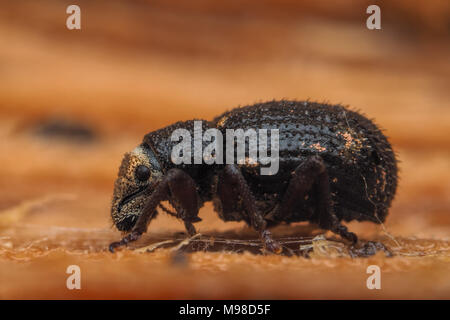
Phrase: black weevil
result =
(334, 165)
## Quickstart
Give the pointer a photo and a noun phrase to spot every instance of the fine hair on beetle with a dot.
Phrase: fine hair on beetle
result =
(264, 164)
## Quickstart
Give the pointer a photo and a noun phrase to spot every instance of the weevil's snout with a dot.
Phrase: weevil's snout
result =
(138, 173)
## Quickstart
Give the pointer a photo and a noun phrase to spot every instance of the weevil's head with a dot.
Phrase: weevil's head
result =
(139, 173)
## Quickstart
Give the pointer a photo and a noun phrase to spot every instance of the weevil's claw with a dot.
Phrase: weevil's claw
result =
(347, 235)
(190, 228)
(368, 249)
(133, 236)
(113, 246)
(269, 243)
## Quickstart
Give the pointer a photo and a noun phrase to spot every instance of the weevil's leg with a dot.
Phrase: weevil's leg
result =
(234, 180)
(176, 185)
(189, 226)
(159, 194)
(308, 175)
(184, 197)
(133, 236)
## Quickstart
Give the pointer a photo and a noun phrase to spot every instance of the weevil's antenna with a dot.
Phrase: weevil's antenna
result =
(167, 210)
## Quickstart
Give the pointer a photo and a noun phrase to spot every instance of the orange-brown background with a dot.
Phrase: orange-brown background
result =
(138, 65)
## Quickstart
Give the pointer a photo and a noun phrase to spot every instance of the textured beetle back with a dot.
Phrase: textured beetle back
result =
(360, 161)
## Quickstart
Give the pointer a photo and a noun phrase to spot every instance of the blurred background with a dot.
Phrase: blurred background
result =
(72, 102)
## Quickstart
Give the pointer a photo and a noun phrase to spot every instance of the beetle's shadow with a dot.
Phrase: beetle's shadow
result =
(295, 240)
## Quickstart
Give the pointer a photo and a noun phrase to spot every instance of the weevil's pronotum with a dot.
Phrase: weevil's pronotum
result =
(334, 165)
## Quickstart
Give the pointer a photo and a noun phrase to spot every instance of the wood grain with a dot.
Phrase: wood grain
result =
(137, 66)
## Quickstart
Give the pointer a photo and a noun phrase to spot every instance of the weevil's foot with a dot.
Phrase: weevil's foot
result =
(345, 234)
(133, 236)
(190, 228)
(368, 249)
(269, 243)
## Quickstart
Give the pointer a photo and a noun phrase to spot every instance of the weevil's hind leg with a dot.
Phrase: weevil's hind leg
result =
(313, 175)
(232, 179)
(180, 188)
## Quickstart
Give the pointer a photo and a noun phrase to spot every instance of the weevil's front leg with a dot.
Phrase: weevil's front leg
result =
(159, 194)
(313, 175)
(180, 188)
(184, 198)
(233, 178)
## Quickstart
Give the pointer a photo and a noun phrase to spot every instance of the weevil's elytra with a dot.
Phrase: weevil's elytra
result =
(334, 165)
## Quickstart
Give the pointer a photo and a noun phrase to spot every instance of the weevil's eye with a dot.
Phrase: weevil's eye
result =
(142, 173)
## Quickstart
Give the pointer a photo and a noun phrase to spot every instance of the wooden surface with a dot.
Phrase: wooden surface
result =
(135, 67)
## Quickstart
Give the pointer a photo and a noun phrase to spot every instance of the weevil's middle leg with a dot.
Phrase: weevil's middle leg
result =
(232, 179)
(190, 228)
(313, 175)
